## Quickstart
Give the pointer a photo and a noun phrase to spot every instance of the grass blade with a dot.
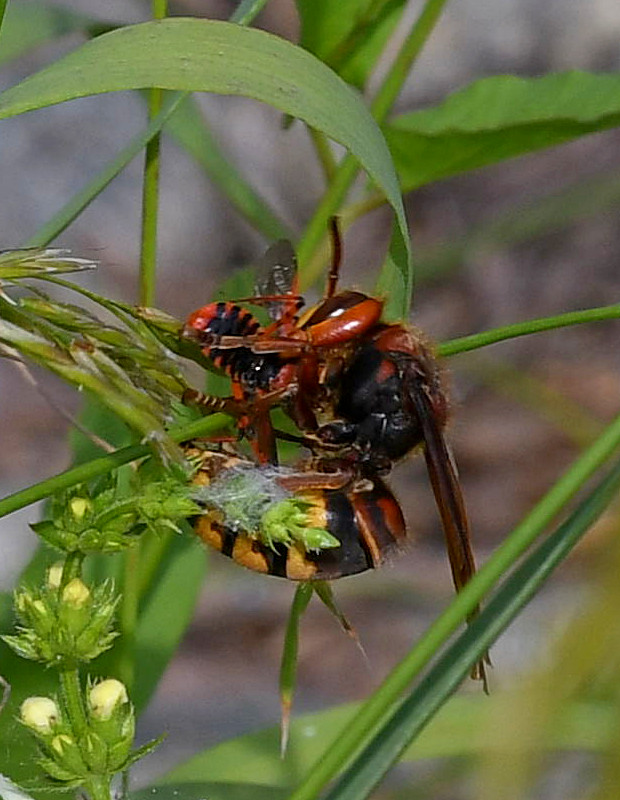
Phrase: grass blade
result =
(470, 596)
(477, 340)
(417, 709)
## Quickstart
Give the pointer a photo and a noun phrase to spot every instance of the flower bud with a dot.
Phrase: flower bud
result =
(40, 714)
(76, 593)
(75, 607)
(54, 575)
(79, 507)
(105, 697)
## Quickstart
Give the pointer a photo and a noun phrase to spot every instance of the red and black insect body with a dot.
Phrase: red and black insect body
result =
(364, 393)
(391, 399)
(286, 362)
(366, 521)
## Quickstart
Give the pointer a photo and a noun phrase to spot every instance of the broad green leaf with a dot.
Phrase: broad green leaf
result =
(585, 726)
(28, 25)
(167, 613)
(499, 118)
(417, 709)
(220, 57)
(350, 35)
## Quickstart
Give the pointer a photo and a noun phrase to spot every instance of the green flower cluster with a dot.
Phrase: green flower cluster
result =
(103, 746)
(108, 518)
(63, 627)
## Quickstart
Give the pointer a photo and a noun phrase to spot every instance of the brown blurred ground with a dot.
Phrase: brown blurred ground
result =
(512, 436)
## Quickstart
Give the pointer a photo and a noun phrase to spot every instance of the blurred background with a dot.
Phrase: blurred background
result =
(533, 237)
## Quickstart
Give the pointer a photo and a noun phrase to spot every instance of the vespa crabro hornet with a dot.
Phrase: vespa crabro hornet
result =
(364, 391)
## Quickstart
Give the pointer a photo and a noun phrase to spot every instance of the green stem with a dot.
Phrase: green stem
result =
(150, 189)
(98, 787)
(105, 464)
(246, 11)
(71, 210)
(348, 167)
(486, 338)
(73, 701)
(150, 197)
(466, 601)
(72, 568)
(324, 153)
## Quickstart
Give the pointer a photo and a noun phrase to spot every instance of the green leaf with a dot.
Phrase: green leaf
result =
(28, 25)
(499, 118)
(203, 55)
(410, 717)
(166, 614)
(348, 36)
(585, 726)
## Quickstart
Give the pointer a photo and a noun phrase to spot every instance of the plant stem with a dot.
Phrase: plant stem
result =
(73, 701)
(104, 464)
(347, 170)
(72, 568)
(150, 189)
(128, 612)
(476, 340)
(246, 11)
(71, 210)
(324, 153)
(98, 788)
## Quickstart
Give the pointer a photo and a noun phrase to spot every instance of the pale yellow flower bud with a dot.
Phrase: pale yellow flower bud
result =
(76, 593)
(105, 697)
(54, 575)
(79, 507)
(39, 713)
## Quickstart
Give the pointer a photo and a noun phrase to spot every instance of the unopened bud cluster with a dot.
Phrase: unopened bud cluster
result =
(102, 749)
(63, 626)
(110, 517)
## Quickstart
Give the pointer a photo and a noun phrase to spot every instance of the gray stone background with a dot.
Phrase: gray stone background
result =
(508, 449)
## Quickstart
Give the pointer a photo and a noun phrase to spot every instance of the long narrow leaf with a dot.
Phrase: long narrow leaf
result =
(468, 598)
(476, 340)
(415, 711)
(166, 615)
(203, 55)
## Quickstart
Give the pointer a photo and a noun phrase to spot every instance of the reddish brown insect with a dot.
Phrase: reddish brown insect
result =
(364, 392)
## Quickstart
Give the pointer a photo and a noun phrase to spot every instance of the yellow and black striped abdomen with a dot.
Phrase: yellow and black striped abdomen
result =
(368, 524)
